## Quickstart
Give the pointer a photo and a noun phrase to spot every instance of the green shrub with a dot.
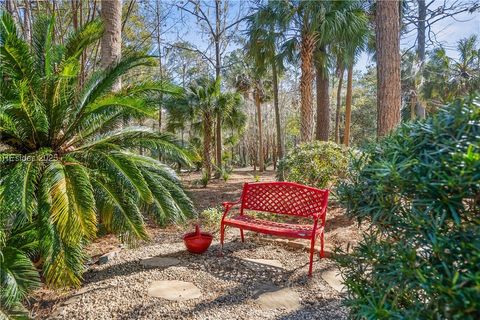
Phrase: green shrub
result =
(317, 164)
(211, 218)
(420, 190)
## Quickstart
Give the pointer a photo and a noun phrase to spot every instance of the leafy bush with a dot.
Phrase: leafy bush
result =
(420, 190)
(67, 160)
(211, 218)
(317, 164)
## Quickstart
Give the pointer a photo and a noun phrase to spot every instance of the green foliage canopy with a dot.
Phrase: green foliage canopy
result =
(420, 190)
(68, 160)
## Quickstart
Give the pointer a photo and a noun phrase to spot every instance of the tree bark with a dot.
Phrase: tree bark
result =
(306, 108)
(160, 66)
(279, 148)
(348, 106)
(207, 143)
(341, 71)
(323, 104)
(388, 66)
(261, 165)
(422, 16)
(27, 21)
(218, 128)
(111, 42)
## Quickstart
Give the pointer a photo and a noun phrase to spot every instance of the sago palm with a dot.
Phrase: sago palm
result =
(18, 275)
(67, 162)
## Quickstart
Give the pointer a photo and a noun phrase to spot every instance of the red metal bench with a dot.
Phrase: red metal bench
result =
(280, 198)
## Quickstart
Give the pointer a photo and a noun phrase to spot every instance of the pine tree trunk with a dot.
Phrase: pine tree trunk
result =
(111, 43)
(261, 165)
(348, 106)
(323, 104)
(341, 71)
(388, 66)
(306, 107)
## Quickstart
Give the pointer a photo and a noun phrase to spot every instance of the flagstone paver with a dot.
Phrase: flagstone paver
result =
(174, 290)
(269, 262)
(278, 298)
(333, 278)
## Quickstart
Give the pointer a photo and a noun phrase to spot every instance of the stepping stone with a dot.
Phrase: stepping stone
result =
(273, 263)
(278, 298)
(332, 277)
(160, 262)
(174, 290)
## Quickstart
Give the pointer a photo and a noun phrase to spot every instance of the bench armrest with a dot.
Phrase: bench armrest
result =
(228, 206)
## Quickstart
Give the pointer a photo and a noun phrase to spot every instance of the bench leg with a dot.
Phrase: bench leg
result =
(241, 235)
(322, 242)
(312, 249)
(222, 237)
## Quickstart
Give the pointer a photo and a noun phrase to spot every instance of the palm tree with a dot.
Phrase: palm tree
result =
(262, 46)
(201, 102)
(65, 165)
(111, 43)
(387, 32)
(446, 78)
(197, 107)
(302, 19)
(355, 41)
(316, 24)
(340, 26)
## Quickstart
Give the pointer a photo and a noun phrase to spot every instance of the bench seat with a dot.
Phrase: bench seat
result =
(280, 229)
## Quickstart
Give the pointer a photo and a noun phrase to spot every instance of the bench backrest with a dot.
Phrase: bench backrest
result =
(284, 198)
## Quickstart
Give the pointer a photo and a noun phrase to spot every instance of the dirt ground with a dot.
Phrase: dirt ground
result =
(340, 231)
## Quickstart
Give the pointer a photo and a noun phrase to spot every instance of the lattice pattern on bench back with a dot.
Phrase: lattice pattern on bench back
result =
(284, 198)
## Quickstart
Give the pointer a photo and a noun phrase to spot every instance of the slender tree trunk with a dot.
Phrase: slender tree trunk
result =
(111, 43)
(323, 104)
(388, 66)
(341, 71)
(348, 106)
(422, 16)
(27, 21)
(261, 165)
(207, 143)
(306, 108)
(279, 148)
(160, 66)
(74, 5)
(11, 7)
(218, 129)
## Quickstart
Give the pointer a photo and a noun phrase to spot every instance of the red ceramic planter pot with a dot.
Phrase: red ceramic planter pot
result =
(197, 242)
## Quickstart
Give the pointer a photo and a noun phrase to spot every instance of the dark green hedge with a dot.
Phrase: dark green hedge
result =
(419, 189)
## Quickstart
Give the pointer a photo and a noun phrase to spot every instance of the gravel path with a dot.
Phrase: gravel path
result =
(229, 284)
